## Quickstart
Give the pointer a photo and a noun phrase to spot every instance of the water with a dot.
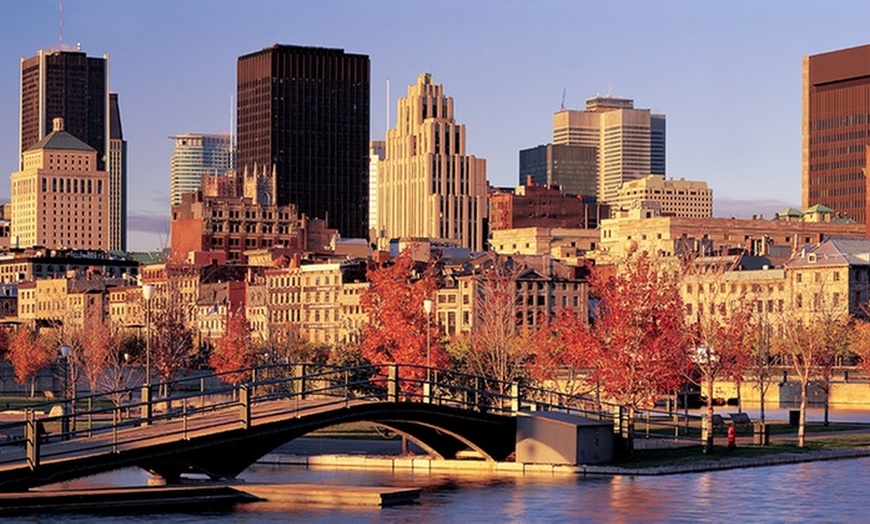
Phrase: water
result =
(829, 491)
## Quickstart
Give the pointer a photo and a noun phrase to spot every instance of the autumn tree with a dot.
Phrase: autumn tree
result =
(233, 350)
(809, 339)
(99, 347)
(29, 353)
(636, 344)
(172, 337)
(559, 358)
(397, 330)
(498, 348)
(121, 370)
(721, 329)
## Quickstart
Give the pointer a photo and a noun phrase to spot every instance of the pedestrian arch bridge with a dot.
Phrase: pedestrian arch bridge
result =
(205, 425)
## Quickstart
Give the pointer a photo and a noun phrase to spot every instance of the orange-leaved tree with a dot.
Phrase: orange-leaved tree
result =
(233, 350)
(28, 354)
(636, 344)
(396, 333)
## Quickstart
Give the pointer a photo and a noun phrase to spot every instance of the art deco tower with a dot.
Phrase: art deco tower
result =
(428, 186)
(305, 111)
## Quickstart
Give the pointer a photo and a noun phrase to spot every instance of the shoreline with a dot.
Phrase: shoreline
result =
(424, 463)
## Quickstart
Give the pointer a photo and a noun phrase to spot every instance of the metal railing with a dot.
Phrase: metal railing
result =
(112, 421)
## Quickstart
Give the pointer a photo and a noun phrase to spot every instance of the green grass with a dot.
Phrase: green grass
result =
(651, 458)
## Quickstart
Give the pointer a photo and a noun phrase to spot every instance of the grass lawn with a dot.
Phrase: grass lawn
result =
(819, 437)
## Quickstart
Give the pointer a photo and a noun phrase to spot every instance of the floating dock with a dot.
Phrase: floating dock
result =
(332, 495)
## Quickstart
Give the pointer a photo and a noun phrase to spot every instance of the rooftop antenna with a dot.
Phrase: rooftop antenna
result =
(386, 129)
(563, 99)
(609, 89)
(60, 25)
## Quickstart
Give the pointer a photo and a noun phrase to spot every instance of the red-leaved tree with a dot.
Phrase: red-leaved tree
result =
(28, 354)
(396, 333)
(636, 345)
(233, 350)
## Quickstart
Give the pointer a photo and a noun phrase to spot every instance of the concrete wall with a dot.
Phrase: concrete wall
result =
(557, 438)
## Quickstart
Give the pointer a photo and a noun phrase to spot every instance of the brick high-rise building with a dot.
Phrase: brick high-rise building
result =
(630, 142)
(428, 185)
(305, 111)
(836, 131)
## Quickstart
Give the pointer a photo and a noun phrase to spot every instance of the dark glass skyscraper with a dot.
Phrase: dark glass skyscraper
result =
(305, 112)
(69, 85)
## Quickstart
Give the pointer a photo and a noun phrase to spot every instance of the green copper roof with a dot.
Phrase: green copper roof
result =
(60, 140)
(790, 212)
(818, 208)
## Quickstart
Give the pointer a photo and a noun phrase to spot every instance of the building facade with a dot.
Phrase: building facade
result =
(630, 142)
(678, 198)
(428, 185)
(571, 168)
(836, 131)
(60, 199)
(305, 111)
(536, 206)
(196, 155)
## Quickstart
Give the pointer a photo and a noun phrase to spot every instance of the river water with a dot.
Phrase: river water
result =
(830, 491)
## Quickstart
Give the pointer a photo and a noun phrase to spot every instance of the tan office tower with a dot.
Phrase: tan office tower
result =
(59, 198)
(836, 131)
(427, 185)
(630, 142)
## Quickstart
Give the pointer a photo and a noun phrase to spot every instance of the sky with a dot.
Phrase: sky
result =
(726, 74)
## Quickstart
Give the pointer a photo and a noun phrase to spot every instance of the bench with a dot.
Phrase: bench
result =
(740, 419)
(718, 423)
(48, 394)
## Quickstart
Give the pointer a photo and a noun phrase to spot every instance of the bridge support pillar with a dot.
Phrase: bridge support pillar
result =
(31, 436)
(299, 375)
(146, 405)
(427, 392)
(393, 383)
(245, 405)
(515, 397)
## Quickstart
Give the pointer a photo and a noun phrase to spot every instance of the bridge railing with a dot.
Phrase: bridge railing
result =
(105, 422)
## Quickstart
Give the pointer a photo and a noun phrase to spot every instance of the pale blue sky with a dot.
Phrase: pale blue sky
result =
(726, 74)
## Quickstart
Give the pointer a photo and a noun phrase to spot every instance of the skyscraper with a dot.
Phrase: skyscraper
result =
(377, 151)
(571, 167)
(836, 131)
(196, 155)
(305, 111)
(631, 142)
(69, 85)
(117, 168)
(428, 186)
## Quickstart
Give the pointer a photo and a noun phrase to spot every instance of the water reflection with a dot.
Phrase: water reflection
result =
(823, 491)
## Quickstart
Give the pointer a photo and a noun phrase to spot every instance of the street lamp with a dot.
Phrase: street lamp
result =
(147, 293)
(427, 307)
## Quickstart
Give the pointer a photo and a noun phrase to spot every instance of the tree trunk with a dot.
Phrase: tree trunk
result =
(708, 443)
(761, 398)
(827, 401)
(803, 413)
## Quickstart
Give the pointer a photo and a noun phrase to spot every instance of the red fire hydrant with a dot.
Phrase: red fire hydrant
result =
(732, 438)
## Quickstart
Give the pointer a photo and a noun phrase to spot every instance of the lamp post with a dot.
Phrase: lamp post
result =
(147, 293)
(427, 307)
(64, 352)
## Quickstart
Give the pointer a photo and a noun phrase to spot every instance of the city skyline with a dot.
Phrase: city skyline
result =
(728, 76)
